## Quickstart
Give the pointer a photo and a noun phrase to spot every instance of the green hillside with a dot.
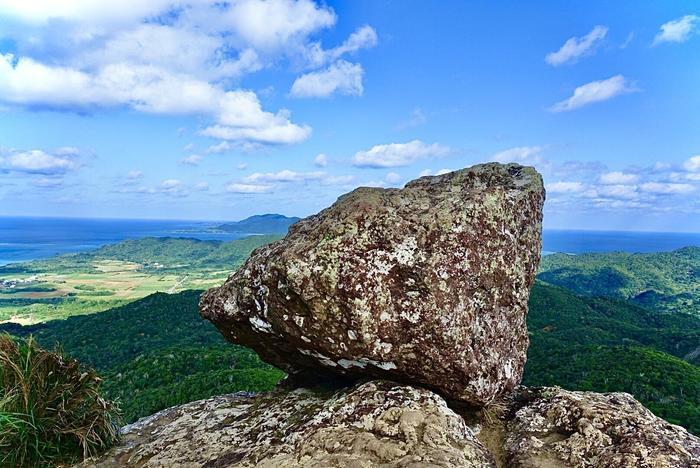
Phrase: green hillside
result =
(668, 386)
(665, 281)
(156, 352)
(116, 274)
(585, 343)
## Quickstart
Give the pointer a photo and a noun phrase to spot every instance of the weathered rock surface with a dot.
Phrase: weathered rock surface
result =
(384, 424)
(427, 285)
(374, 424)
(557, 428)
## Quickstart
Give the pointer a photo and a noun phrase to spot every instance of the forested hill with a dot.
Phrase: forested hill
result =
(267, 223)
(665, 281)
(169, 253)
(157, 352)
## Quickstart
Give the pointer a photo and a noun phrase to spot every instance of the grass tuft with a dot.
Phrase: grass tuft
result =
(51, 410)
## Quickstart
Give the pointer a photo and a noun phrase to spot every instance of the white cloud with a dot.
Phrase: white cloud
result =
(192, 160)
(428, 172)
(87, 54)
(248, 188)
(189, 147)
(678, 30)
(618, 191)
(219, 148)
(37, 162)
(398, 154)
(666, 188)
(363, 38)
(392, 178)
(285, 176)
(692, 164)
(565, 187)
(340, 78)
(520, 154)
(47, 182)
(239, 114)
(242, 166)
(576, 47)
(133, 175)
(170, 183)
(321, 160)
(39, 11)
(595, 91)
(201, 187)
(416, 119)
(618, 178)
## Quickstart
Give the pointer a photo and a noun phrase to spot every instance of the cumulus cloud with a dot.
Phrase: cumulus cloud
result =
(192, 160)
(248, 188)
(416, 119)
(134, 175)
(38, 162)
(221, 147)
(667, 188)
(201, 186)
(595, 91)
(678, 30)
(340, 78)
(363, 38)
(565, 187)
(617, 178)
(692, 164)
(284, 176)
(521, 154)
(429, 172)
(321, 160)
(577, 47)
(171, 57)
(398, 154)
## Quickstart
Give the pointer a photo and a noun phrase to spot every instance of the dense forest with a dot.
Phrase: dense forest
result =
(157, 352)
(603, 322)
(664, 281)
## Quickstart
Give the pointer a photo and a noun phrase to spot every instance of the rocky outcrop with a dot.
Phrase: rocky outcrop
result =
(373, 424)
(427, 285)
(384, 424)
(556, 428)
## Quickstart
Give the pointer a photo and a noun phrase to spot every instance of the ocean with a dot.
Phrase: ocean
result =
(23, 238)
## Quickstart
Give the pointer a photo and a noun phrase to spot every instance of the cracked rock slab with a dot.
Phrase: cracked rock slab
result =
(375, 424)
(426, 285)
(555, 428)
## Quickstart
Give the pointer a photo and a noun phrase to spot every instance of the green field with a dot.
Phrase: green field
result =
(116, 274)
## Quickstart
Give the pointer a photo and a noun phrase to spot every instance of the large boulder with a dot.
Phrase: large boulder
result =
(426, 285)
(374, 424)
(562, 429)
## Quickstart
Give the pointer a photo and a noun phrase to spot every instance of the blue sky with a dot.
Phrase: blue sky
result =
(194, 109)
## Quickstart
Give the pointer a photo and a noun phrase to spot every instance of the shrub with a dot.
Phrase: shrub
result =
(51, 410)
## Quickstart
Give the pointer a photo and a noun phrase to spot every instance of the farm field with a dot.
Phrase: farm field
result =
(85, 283)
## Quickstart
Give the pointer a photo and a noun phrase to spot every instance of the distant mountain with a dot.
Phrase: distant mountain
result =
(261, 224)
(664, 281)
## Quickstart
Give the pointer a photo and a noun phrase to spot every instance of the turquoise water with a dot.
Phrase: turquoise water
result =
(33, 238)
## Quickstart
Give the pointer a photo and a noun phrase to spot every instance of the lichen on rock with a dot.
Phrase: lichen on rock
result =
(373, 424)
(551, 427)
(426, 285)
